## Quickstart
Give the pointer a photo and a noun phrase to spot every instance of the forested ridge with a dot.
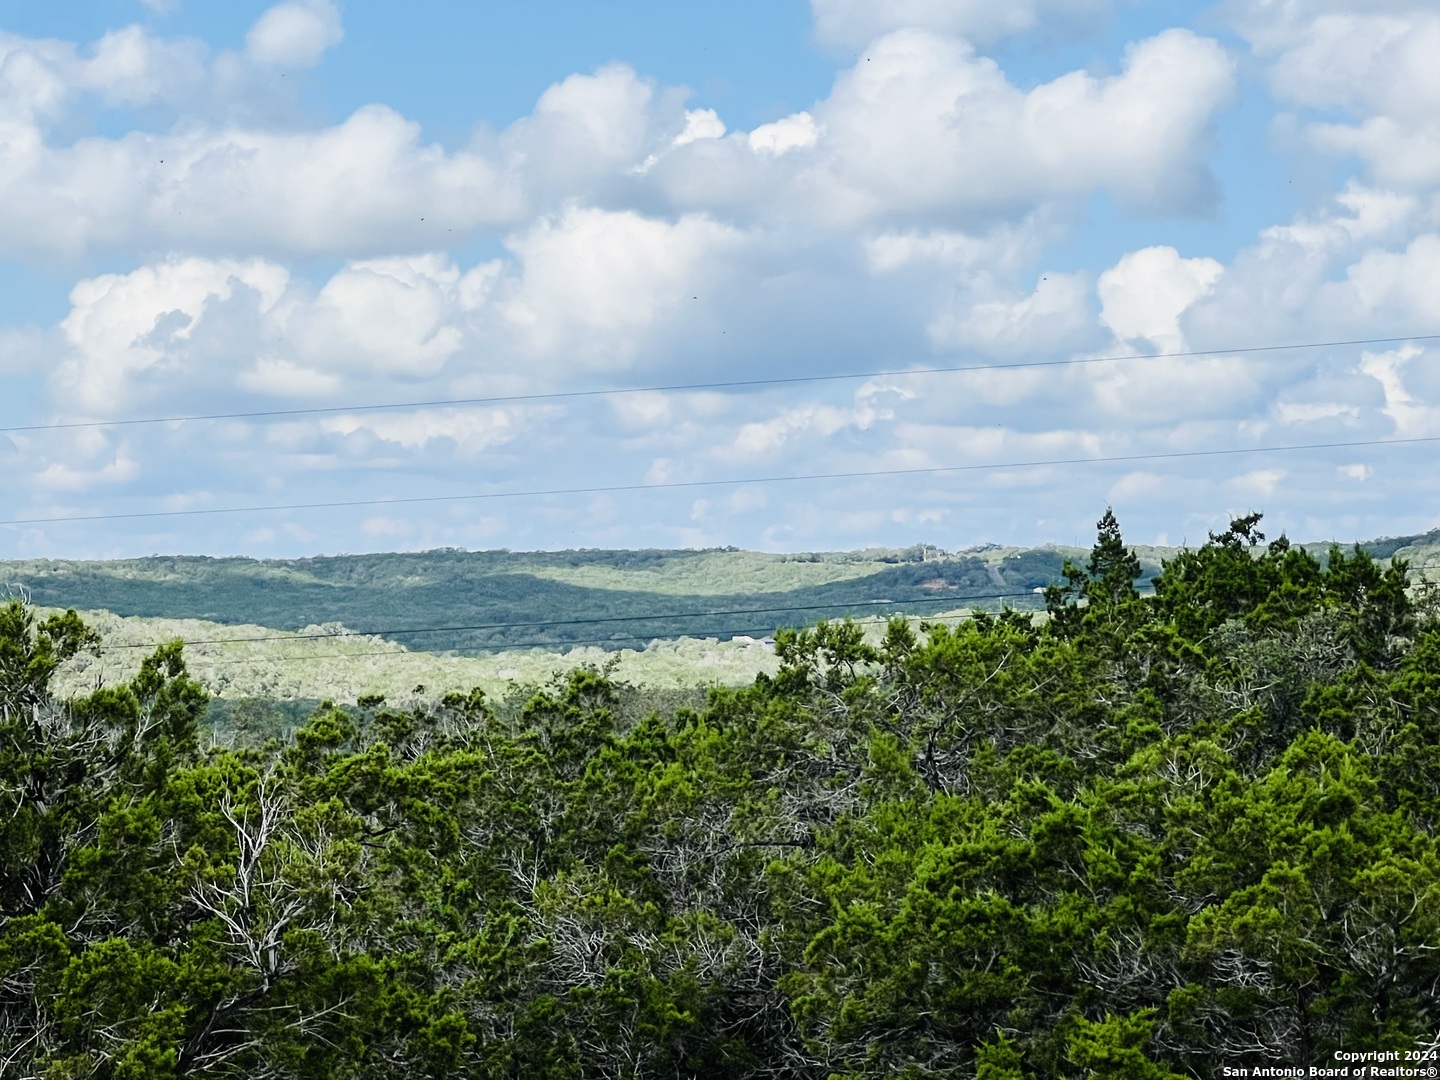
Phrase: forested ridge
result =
(554, 598)
(537, 597)
(1147, 836)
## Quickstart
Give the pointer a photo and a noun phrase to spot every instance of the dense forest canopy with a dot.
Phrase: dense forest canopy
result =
(558, 599)
(1146, 836)
(502, 599)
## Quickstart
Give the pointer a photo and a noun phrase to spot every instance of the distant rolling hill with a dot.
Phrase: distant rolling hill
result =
(547, 598)
(615, 599)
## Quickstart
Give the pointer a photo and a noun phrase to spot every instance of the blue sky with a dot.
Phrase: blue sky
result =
(249, 208)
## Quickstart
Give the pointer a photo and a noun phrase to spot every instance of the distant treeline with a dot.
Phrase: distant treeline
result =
(554, 596)
(1148, 837)
(396, 592)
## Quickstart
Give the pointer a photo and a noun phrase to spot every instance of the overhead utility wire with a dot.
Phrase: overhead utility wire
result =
(937, 470)
(732, 384)
(583, 622)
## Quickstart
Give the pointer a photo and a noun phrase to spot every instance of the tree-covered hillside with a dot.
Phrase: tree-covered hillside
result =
(614, 599)
(1145, 837)
(547, 598)
(236, 663)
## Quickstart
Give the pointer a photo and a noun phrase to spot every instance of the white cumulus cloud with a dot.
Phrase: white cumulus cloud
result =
(797, 132)
(472, 431)
(934, 207)
(700, 124)
(1373, 60)
(923, 127)
(764, 438)
(1145, 293)
(294, 34)
(922, 123)
(593, 281)
(1056, 314)
(137, 327)
(391, 316)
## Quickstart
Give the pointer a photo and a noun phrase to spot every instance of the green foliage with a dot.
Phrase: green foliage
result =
(1154, 836)
(1116, 1049)
(542, 593)
(30, 651)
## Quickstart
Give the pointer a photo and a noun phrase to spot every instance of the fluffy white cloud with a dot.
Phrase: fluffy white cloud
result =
(1373, 60)
(1003, 249)
(275, 377)
(125, 329)
(294, 34)
(585, 126)
(1145, 293)
(471, 431)
(1396, 154)
(180, 322)
(1310, 412)
(367, 184)
(1170, 392)
(1056, 314)
(88, 461)
(922, 125)
(1137, 487)
(59, 476)
(1400, 283)
(1257, 483)
(395, 316)
(906, 216)
(1411, 414)
(40, 78)
(586, 289)
(593, 282)
(947, 444)
(1294, 283)
(922, 122)
(128, 67)
(700, 124)
(797, 132)
(766, 438)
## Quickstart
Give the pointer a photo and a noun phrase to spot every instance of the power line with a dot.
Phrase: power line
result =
(732, 384)
(938, 470)
(585, 622)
